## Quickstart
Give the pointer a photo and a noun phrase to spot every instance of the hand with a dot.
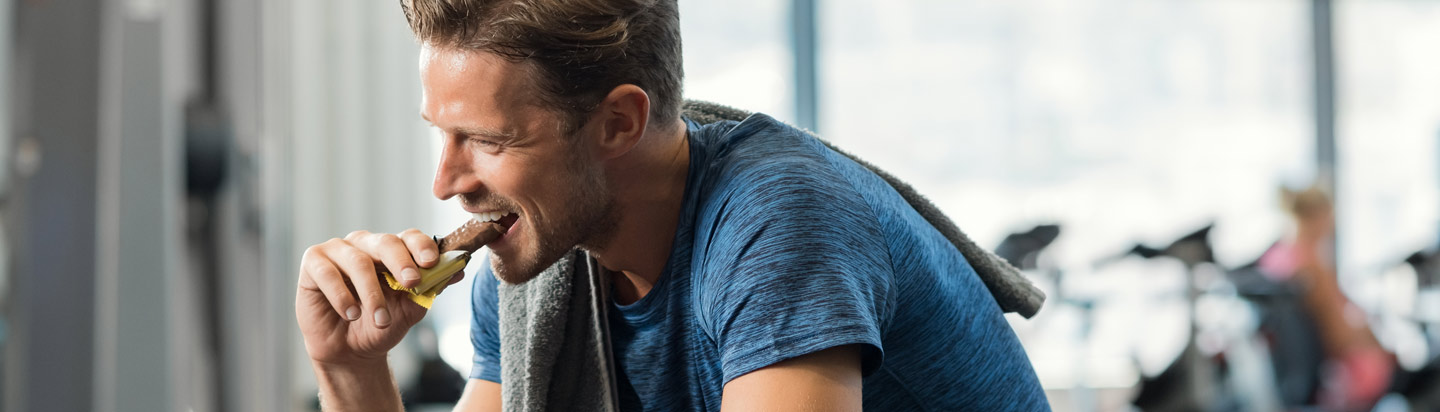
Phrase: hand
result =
(347, 315)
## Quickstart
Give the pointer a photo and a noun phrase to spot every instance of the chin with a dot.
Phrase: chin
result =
(515, 278)
(512, 274)
(537, 247)
(520, 269)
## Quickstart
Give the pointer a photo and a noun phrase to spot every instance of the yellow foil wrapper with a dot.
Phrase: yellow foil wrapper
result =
(434, 279)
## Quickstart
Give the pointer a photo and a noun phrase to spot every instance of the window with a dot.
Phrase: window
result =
(738, 53)
(1120, 120)
(1388, 108)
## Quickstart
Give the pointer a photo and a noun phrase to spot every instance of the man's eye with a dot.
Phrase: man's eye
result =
(483, 142)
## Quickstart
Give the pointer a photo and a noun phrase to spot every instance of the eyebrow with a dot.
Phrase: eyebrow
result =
(474, 130)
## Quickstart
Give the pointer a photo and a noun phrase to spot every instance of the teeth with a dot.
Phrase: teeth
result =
(489, 216)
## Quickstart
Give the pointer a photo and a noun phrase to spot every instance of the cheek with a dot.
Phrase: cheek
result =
(520, 183)
(499, 172)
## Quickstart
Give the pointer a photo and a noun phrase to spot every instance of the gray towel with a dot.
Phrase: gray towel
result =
(555, 340)
(554, 337)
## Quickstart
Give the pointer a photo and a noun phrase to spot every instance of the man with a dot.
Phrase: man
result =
(751, 268)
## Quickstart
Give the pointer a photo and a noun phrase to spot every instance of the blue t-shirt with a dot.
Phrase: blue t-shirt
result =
(785, 248)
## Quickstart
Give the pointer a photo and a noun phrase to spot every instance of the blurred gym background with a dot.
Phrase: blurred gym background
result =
(163, 163)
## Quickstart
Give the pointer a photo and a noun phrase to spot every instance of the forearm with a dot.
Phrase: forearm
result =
(366, 387)
(1340, 330)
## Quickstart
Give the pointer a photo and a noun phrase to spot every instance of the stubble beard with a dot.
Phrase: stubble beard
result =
(587, 220)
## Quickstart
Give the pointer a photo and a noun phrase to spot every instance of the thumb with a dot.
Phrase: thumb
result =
(407, 311)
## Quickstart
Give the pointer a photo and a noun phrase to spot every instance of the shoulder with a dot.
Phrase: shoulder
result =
(764, 183)
(759, 144)
(765, 166)
(777, 213)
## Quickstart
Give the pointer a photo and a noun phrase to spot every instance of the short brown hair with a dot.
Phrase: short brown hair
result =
(581, 49)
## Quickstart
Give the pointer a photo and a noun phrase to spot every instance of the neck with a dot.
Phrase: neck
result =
(649, 185)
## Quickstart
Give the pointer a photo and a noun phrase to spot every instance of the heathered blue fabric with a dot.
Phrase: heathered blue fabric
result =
(785, 248)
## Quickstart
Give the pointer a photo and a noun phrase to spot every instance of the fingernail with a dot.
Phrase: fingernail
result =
(428, 256)
(382, 317)
(352, 313)
(410, 274)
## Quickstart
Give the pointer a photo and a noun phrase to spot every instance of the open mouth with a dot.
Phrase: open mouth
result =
(505, 219)
(508, 220)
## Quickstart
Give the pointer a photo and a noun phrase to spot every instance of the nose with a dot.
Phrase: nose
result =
(455, 174)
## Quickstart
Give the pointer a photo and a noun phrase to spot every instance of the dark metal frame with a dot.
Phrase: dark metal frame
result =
(1323, 48)
(804, 33)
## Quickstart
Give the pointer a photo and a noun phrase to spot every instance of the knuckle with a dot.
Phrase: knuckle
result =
(313, 261)
(341, 299)
(389, 240)
(361, 261)
(311, 267)
(334, 242)
(356, 257)
(375, 296)
(357, 234)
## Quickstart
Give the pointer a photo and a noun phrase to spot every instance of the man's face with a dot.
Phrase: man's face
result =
(506, 153)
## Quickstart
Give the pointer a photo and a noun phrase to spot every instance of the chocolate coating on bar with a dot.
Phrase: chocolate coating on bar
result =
(471, 236)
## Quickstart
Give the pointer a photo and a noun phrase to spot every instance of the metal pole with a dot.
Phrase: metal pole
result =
(280, 345)
(50, 207)
(140, 358)
(6, 19)
(803, 33)
(1324, 53)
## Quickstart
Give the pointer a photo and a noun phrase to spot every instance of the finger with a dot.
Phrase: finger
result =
(422, 247)
(356, 235)
(359, 268)
(395, 256)
(324, 276)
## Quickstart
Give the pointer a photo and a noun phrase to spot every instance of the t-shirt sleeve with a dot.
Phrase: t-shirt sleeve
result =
(794, 264)
(485, 323)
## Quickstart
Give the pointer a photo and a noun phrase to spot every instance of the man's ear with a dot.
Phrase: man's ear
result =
(624, 114)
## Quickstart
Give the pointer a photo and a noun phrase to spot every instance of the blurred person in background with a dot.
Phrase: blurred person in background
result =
(1357, 370)
(750, 267)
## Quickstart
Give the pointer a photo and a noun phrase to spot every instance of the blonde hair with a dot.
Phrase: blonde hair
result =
(1306, 203)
